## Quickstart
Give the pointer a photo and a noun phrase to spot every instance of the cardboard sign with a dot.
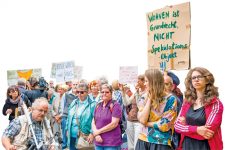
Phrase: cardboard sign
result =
(63, 71)
(14, 75)
(128, 74)
(78, 70)
(169, 32)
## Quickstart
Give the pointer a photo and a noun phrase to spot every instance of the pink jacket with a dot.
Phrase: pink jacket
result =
(213, 112)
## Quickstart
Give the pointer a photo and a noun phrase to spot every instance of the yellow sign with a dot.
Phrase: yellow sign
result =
(25, 74)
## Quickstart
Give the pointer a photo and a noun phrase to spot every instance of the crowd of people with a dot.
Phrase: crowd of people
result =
(96, 115)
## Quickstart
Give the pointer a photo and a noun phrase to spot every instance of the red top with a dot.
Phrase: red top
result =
(214, 112)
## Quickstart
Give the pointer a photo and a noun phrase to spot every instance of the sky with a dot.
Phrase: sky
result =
(99, 35)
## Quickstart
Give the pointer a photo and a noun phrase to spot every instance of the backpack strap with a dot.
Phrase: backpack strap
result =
(111, 105)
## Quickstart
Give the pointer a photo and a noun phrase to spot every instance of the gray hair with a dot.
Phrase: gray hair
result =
(103, 80)
(37, 102)
(83, 86)
(108, 87)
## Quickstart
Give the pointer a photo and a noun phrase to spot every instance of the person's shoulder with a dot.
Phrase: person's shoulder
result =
(73, 103)
(115, 104)
(7, 101)
(216, 101)
(186, 103)
(92, 102)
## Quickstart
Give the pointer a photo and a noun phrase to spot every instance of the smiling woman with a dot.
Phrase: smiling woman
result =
(14, 102)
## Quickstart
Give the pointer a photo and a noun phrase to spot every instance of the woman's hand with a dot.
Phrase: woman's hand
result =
(205, 132)
(181, 120)
(96, 132)
(8, 111)
(90, 138)
(98, 139)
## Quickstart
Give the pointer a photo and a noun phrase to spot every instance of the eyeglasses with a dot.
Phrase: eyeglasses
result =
(80, 92)
(42, 111)
(106, 92)
(13, 91)
(198, 77)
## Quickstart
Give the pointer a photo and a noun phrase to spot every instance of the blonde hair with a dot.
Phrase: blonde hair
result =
(156, 86)
(115, 85)
(64, 87)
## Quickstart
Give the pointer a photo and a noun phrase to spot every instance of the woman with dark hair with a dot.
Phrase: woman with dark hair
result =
(13, 103)
(199, 121)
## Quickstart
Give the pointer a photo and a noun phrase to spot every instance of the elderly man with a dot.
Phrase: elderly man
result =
(17, 135)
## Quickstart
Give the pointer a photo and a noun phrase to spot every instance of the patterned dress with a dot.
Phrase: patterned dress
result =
(164, 118)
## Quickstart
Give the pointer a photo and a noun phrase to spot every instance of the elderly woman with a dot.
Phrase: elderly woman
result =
(94, 91)
(80, 115)
(105, 126)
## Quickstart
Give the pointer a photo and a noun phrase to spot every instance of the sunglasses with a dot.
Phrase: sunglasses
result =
(80, 92)
(106, 92)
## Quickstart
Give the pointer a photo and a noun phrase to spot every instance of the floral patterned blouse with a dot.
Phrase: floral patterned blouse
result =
(164, 119)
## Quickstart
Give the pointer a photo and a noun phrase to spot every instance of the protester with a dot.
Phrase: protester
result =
(94, 93)
(21, 84)
(175, 89)
(117, 96)
(157, 113)
(169, 86)
(67, 98)
(51, 84)
(54, 114)
(105, 124)
(13, 103)
(131, 102)
(199, 121)
(37, 89)
(80, 115)
(17, 135)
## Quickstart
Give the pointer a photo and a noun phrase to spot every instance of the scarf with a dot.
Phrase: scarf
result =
(14, 101)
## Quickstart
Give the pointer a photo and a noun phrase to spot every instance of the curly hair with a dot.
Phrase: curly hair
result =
(210, 90)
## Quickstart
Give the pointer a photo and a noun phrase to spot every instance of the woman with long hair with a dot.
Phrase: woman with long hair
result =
(157, 113)
(199, 121)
